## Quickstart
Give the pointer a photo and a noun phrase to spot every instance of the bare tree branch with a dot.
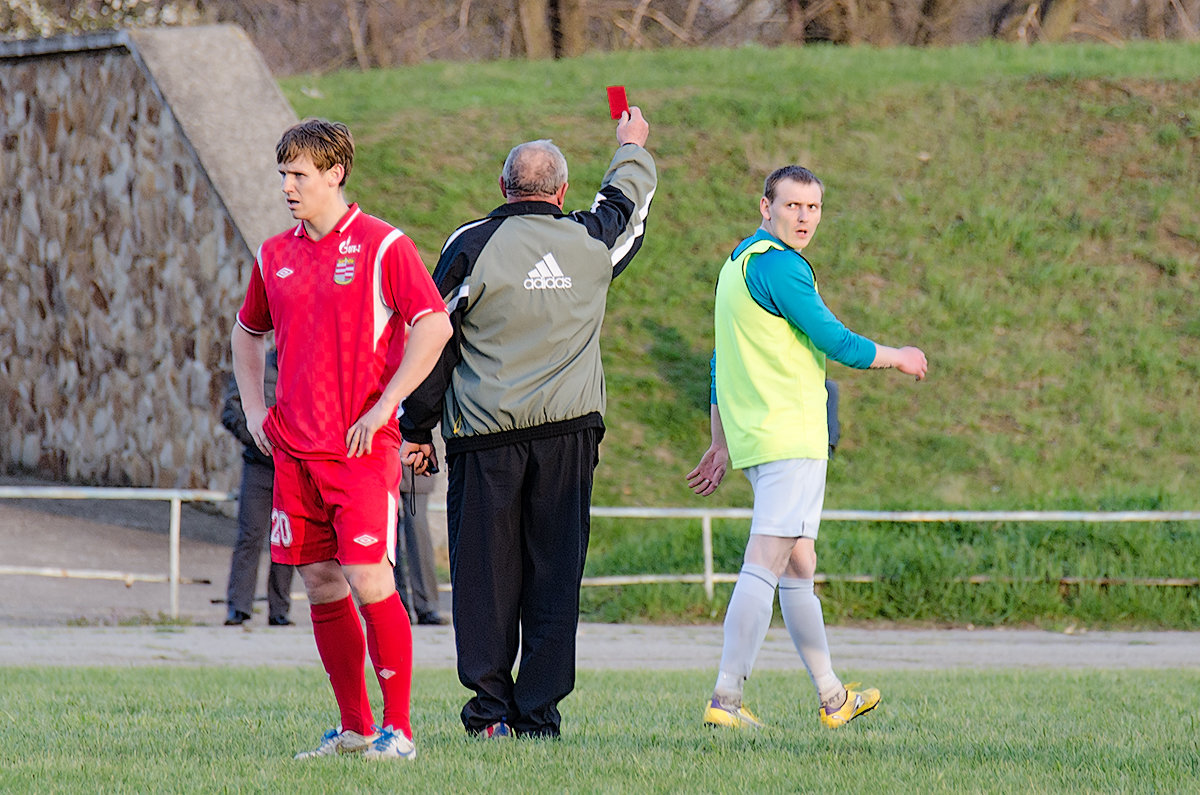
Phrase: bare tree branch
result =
(669, 26)
(535, 27)
(1185, 21)
(572, 27)
(356, 37)
(689, 19)
(380, 40)
(1029, 27)
(638, 14)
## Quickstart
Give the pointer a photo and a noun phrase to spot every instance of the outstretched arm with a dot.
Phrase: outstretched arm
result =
(908, 360)
(791, 293)
(618, 215)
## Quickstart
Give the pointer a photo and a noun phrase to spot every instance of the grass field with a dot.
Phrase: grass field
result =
(1026, 215)
(213, 730)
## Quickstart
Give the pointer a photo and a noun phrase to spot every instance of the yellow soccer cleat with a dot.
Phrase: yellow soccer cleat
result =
(857, 702)
(731, 717)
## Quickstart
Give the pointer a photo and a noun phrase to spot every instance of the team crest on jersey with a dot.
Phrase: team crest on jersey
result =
(343, 271)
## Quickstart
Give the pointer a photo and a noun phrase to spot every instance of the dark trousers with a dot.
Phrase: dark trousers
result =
(414, 570)
(254, 525)
(518, 520)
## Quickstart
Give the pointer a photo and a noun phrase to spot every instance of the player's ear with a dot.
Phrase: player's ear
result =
(560, 196)
(335, 174)
(503, 190)
(764, 207)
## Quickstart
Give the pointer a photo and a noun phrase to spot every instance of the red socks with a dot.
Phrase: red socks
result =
(343, 651)
(389, 641)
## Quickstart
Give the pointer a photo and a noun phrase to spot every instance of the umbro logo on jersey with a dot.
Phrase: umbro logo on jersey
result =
(343, 271)
(546, 275)
(283, 273)
(348, 248)
(364, 540)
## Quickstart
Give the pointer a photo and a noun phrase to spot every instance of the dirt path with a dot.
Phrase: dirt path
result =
(76, 621)
(616, 646)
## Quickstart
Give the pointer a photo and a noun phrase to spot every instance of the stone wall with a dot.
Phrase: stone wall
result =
(120, 273)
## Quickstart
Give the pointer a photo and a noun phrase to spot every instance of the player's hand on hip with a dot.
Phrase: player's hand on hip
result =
(358, 438)
(254, 424)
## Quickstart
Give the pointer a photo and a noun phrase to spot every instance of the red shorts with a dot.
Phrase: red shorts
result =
(343, 509)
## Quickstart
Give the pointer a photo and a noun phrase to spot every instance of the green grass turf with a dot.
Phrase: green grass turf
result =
(920, 572)
(213, 730)
(1025, 214)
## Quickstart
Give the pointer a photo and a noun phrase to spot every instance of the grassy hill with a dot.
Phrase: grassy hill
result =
(1026, 215)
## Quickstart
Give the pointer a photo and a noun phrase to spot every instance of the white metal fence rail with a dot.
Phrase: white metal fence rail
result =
(706, 515)
(176, 497)
(708, 578)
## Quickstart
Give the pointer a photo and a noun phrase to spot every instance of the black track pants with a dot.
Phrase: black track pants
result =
(518, 521)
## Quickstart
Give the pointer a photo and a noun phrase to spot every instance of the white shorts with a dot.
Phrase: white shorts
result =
(788, 497)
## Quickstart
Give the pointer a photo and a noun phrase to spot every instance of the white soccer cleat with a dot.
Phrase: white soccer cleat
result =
(391, 744)
(337, 741)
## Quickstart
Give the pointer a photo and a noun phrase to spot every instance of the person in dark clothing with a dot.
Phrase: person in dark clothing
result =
(519, 390)
(254, 518)
(831, 415)
(416, 577)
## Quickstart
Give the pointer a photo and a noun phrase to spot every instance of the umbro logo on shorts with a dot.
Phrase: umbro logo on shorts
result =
(546, 275)
(365, 540)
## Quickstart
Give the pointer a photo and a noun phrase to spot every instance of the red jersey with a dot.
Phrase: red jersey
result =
(339, 307)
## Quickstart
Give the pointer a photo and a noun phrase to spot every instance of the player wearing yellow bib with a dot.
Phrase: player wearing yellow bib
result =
(773, 334)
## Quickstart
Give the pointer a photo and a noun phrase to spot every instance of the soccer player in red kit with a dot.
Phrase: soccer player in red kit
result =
(339, 290)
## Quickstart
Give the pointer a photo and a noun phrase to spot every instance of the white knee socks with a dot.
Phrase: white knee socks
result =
(805, 623)
(747, 620)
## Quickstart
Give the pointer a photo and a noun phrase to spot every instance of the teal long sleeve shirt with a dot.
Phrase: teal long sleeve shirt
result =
(782, 283)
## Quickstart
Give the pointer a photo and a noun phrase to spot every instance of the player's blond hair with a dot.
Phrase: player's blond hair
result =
(327, 143)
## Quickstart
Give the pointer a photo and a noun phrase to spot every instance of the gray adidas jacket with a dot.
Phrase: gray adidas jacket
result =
(526, 289)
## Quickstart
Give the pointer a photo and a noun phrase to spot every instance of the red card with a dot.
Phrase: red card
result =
(617, 103)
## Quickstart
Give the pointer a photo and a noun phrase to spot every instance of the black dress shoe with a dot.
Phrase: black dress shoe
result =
(433, 619)
(280, 621)
(236, 618)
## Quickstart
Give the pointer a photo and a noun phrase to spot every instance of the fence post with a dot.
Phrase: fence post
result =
(173, 570)
(706, 542)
